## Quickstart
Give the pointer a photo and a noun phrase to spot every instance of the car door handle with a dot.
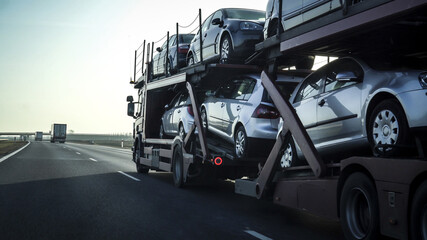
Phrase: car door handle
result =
(238, 108)
(222, 105)
(322, 102)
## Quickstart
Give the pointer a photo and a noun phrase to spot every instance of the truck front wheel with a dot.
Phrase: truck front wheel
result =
(359, 208)
(178, 166)
(418, 218)
(139, 167)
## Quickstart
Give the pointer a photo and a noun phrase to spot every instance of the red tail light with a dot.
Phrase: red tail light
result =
(190, 110)
(183, 49)
(264, 111)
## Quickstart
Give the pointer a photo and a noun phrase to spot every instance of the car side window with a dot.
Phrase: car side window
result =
(183, 99)
(344, 65)
(206, 24)
(311, 87)
(244, 90)
(172, 41)
(227, 90)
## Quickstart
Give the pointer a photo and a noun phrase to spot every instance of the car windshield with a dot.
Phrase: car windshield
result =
(245, 14)
(286, 88)
(186, 38)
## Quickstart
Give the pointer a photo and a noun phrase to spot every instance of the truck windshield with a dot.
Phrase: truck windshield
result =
(245, 14)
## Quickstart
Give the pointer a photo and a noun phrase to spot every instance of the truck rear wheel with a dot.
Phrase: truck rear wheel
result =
(178, 166)
(418, 217)
(139, 167)
(359, 208)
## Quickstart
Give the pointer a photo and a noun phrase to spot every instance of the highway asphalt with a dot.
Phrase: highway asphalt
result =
(73, 191)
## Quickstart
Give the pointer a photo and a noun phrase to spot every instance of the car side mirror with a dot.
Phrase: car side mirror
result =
(159, 49)
(166, 106)
(129, 99)
(131, 109)
(210, 93)
(217, 21)
(347, 77)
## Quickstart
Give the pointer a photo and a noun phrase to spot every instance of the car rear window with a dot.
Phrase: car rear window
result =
(245, 14)
(286, 88)
(186, 38)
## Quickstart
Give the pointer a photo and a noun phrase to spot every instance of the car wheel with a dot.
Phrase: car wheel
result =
(388, 125)
(204, 118)
(178, 167)
(181, 131)
(190, 60)
(139, 167)
(359, 208)
(226, 50)
(418, 217)
(241, 142)
(162, 131)
(288, 155)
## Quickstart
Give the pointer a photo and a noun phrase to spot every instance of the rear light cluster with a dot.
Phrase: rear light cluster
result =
(183, 49)
(190, 110)
(264, 111)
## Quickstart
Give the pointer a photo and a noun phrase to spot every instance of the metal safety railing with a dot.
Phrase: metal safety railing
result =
(144, 57)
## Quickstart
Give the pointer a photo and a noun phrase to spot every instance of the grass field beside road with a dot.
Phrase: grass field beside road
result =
(7, 147)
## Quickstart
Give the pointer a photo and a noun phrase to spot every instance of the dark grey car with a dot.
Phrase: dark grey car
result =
(229, 34)
(160, 59)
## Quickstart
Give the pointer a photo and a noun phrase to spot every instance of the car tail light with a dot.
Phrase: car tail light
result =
(183, 49)
(423, 79)
(190, 110)
(264, 111)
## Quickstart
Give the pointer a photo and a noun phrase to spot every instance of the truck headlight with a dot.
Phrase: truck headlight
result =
(423, 79)
(250, 26)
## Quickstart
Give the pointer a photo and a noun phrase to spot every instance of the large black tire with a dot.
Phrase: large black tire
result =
(418, 217)
(178, 166)
(226, 50)
(241, 144)
(139, 167)
(359, 208)
(388, 125)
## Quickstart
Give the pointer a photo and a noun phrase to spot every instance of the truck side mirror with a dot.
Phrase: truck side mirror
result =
(131, 109)
(129, 99)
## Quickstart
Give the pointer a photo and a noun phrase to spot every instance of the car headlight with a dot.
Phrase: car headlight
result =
(423, 79)
(250, 26)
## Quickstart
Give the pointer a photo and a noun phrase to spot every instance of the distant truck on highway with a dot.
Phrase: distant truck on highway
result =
(58, 133)
(38, 136)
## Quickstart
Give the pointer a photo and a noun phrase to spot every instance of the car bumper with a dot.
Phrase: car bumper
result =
(414, 103)
(244, 42)
(262, 128)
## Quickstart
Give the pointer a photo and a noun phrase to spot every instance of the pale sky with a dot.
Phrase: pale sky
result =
(70, 61)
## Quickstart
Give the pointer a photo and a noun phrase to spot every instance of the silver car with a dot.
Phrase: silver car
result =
(178, 116)
(241, 112)
(350, 104)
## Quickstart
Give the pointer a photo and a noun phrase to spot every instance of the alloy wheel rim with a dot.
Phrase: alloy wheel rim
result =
(286, 160)
(240, 144)
(386, 128)
(181, 133)
(204, 120)
(225, 49)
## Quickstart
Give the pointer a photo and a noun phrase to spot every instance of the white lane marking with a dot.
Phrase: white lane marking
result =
(93, 159)
(129, 176)
(257, 235)
(11, 154)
